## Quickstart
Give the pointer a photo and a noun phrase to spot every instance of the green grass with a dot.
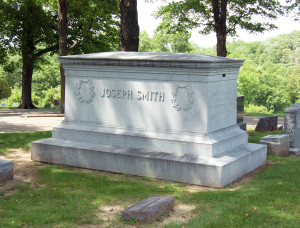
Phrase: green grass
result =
(67, 197)
(20, 140)
(264, 114)
(255, 136)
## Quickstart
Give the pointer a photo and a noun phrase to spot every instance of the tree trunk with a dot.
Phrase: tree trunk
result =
(129, 35)
(28, 59)
(221, 43)
(63, 45)
(220, 11)
(26, 86)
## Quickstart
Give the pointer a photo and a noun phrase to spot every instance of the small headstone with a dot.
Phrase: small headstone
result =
(149, 209)
(268, 123)
(277, 144)
(242, 125)
(56, 102)
(6, 170)
(15, 104)
(47, 106)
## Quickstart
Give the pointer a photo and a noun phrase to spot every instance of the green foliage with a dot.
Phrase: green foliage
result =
(164, 42)
(190, 14)
(5, 90)
(50, 95)
(16, 94)
(258, 109)
(270, 75)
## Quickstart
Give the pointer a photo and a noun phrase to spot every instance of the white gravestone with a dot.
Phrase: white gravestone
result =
(162, 115)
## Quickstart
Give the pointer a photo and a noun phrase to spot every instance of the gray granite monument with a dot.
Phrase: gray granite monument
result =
(292, 127)
(164, 115)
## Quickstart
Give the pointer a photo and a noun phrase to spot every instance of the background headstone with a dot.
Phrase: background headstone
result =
(240, 109)
(292, 124)
(268, 123)
(56, 102)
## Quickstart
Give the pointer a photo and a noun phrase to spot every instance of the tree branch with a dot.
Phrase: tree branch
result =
(87, 31)
(46, 50)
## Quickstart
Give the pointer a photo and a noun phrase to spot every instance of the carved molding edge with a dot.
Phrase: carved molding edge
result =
(91, 88)
(189, 102)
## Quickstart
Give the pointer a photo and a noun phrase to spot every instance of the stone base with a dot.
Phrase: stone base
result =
(277, 144)
(295, 151)
(6, 170)
(215, 171)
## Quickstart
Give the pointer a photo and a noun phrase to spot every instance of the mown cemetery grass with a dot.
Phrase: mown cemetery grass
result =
(63, 196)
(20, 140)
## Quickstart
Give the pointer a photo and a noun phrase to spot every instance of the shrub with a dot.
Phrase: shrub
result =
(257, 109)
(5, 90)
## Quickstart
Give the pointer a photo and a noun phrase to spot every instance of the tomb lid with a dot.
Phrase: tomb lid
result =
(148, 59)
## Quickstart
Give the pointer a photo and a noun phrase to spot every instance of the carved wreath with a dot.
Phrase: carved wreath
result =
(91, 88)
(189, 103)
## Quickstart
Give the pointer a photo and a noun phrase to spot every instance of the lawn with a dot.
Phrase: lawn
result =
(63, 196)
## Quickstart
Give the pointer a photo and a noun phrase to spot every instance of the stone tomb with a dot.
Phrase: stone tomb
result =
(164, 115)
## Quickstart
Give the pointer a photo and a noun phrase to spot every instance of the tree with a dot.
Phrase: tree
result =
(27, 27)
(164, 42)
(85, 26)
(129, 34)
(220, 16)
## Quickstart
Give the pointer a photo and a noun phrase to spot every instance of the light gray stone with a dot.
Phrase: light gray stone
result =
(6, 170)
(165, 115)
(295, 151)
(292, 124)
(277, 144)
(149, 209)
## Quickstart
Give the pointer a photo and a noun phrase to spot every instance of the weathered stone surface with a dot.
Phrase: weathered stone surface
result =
(268, 123)
(243, 126)
(149, 209)
(292, 124)
(277, 144)
(295, 151)
(6, 170)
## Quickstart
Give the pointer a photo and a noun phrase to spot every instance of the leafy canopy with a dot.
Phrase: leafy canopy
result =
(190, 14)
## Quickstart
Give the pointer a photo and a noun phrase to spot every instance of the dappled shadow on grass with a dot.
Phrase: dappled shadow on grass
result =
(64, 197)
(20, 140)
(69, 197)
